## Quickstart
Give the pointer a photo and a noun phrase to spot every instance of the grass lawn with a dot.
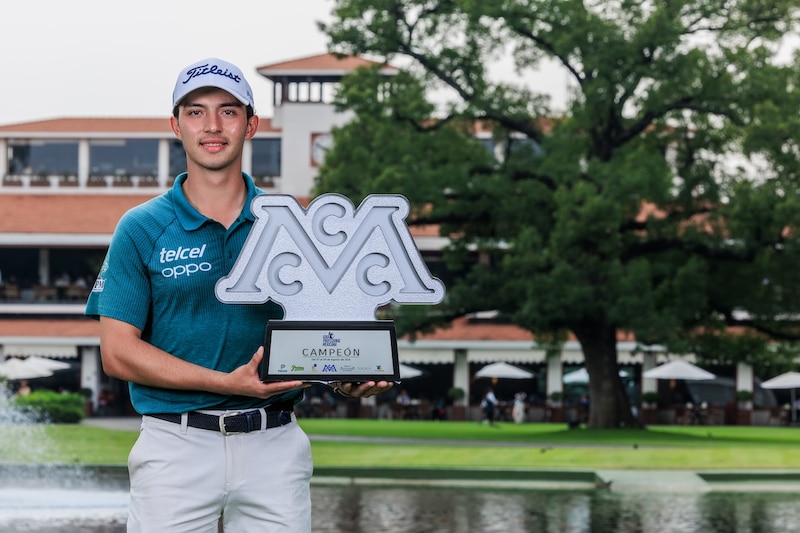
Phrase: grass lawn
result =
(462, 444)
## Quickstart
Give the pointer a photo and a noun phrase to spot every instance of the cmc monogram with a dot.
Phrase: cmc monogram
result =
(329, 260)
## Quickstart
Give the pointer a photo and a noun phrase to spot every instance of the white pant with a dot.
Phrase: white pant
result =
(183, 479)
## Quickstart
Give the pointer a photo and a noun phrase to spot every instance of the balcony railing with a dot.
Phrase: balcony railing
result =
(36, 182)
(69, 294)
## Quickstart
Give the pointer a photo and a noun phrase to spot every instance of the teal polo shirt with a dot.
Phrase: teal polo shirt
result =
(159, 275)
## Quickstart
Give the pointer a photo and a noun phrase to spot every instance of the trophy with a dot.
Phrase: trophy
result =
(330, 267)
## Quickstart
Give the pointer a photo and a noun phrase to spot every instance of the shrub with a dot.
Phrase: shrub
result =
(455, 393)
(53, 407)
(744, 395)
(649, 397)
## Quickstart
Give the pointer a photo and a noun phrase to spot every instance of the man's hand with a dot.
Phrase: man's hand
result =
(245, 380)
(362, 390)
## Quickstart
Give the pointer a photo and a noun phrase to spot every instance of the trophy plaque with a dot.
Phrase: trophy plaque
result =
(330, 267)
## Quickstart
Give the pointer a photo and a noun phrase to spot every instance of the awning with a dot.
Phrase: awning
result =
(56, 351)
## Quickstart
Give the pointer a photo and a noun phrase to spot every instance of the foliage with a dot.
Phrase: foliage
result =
(662, 202)
(455, 393)
(744, 395)
(53, 407)
(649, 397)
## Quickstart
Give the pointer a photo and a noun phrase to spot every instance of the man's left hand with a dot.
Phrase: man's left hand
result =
(362, 390)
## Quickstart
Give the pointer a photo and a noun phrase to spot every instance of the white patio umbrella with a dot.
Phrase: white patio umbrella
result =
(50, 364)
(678, 369)
(408, 372)
(503, 370)
(582, 376)
(15, 368)
(787, 380)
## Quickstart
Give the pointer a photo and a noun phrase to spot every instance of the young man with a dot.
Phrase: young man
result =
(216, 442)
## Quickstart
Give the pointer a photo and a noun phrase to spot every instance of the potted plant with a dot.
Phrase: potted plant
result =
(744, 396)
(457, 411)
(649, 407)
(555, 408)
(649, 399)
(744, 403)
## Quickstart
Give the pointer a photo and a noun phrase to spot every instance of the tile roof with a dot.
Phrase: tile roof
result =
(95, 214)
(39, 327)
(319, 64)
(64, 213)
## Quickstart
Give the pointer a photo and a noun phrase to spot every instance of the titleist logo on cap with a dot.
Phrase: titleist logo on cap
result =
(202, 70)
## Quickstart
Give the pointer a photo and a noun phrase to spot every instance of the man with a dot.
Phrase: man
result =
(216, 442)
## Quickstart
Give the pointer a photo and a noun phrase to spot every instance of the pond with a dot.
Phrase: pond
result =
(367, 509)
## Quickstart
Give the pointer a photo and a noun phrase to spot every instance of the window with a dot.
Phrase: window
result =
(266, 158)
(43, 157)
(123, 157)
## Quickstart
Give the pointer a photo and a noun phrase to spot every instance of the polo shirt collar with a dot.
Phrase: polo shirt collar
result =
(190, 218)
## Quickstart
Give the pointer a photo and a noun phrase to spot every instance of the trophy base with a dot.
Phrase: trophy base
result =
(330, 351)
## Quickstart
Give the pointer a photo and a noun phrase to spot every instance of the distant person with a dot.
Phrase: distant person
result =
(439, 410)
(489, 407)
(518, 410)
(403, 398)
(24, 389)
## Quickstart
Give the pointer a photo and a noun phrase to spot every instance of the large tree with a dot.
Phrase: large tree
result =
(662, 202)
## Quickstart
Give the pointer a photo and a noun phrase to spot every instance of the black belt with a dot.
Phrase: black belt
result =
(235, 422)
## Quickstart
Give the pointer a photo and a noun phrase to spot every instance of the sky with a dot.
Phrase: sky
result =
(100, 58)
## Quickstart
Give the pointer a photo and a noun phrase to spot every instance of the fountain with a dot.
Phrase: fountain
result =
(37, 496)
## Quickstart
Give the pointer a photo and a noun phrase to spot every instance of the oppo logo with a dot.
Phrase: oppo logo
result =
(185, 270)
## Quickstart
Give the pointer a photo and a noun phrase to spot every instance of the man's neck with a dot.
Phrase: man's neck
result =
(217, 196)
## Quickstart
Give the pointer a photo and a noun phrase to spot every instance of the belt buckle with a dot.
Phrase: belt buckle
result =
(222, 428)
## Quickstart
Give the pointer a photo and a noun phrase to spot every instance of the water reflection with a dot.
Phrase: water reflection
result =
(359, 509)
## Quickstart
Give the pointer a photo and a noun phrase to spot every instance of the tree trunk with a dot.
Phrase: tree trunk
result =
(609, 405)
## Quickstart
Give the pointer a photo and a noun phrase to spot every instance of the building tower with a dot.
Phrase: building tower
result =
(303, 109)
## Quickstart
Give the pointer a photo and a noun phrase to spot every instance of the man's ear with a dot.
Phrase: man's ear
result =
(252, 126)
(176, 127)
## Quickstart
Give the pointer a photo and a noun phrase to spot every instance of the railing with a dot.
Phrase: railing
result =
(70, 182)
(69, 294)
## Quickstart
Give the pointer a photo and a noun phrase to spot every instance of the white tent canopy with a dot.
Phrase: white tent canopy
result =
(582, 376)
(787, 380)
(408, 372)
(14, 368)
(503, 370)
(678, 369)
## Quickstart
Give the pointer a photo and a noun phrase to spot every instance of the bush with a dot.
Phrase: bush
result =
(50, 406)
(649, 397)
(455, 393)
(744, 395)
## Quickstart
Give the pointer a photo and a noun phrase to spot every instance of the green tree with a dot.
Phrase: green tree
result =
(662, 202)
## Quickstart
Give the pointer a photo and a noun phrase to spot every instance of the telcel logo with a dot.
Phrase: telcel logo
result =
(181, 253)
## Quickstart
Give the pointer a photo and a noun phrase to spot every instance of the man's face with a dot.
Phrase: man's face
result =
(213, 125)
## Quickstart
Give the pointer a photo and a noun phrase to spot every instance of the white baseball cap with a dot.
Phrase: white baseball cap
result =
(213, 72)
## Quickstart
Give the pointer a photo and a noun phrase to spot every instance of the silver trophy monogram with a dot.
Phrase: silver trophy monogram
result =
(330, 267)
